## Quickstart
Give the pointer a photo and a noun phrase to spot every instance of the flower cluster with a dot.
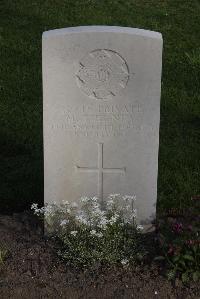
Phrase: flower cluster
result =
(177, 227)
(93, 231)
(91, 213)
(180, 247)
(124, 205)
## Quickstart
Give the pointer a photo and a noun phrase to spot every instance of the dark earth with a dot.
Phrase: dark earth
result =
(33, 270)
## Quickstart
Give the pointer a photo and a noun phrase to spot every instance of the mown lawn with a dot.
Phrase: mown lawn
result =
(21, 26)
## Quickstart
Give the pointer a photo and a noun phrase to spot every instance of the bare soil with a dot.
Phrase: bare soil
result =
(33, 270)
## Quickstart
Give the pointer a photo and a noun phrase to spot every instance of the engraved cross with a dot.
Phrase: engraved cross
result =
(100, 170)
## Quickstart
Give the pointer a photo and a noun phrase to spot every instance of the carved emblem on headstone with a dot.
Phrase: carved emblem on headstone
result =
(102, 74)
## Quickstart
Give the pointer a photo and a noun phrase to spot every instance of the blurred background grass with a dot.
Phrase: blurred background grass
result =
(21, 26)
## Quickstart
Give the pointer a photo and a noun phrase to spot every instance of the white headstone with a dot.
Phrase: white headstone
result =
(101, 88)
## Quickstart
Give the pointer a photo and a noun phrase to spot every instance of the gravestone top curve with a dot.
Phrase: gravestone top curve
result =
(101, 28)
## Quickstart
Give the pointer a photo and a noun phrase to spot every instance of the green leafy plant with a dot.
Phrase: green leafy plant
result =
(180, 246)
(90, 233)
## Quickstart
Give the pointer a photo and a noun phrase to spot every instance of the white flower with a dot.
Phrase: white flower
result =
(93, 232)
(84, 199)
(129, 197)
(34, 206)
(74, 205)
(103, 222)
(81, 219)
(113, 219)
(74, 233)
(124, 261)
(64, 222)
(65, 202)
(97, 212)
(94, 198)
(96, 207)
(112, 196)
(99, 235)
(110, 202)
(140, 227)
(37, 211)
(48, 210)
(134, 213)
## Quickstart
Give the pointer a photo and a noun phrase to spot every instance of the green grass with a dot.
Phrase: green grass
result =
(21, 26)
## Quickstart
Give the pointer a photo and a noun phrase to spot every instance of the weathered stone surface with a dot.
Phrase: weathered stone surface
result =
(101, 88)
